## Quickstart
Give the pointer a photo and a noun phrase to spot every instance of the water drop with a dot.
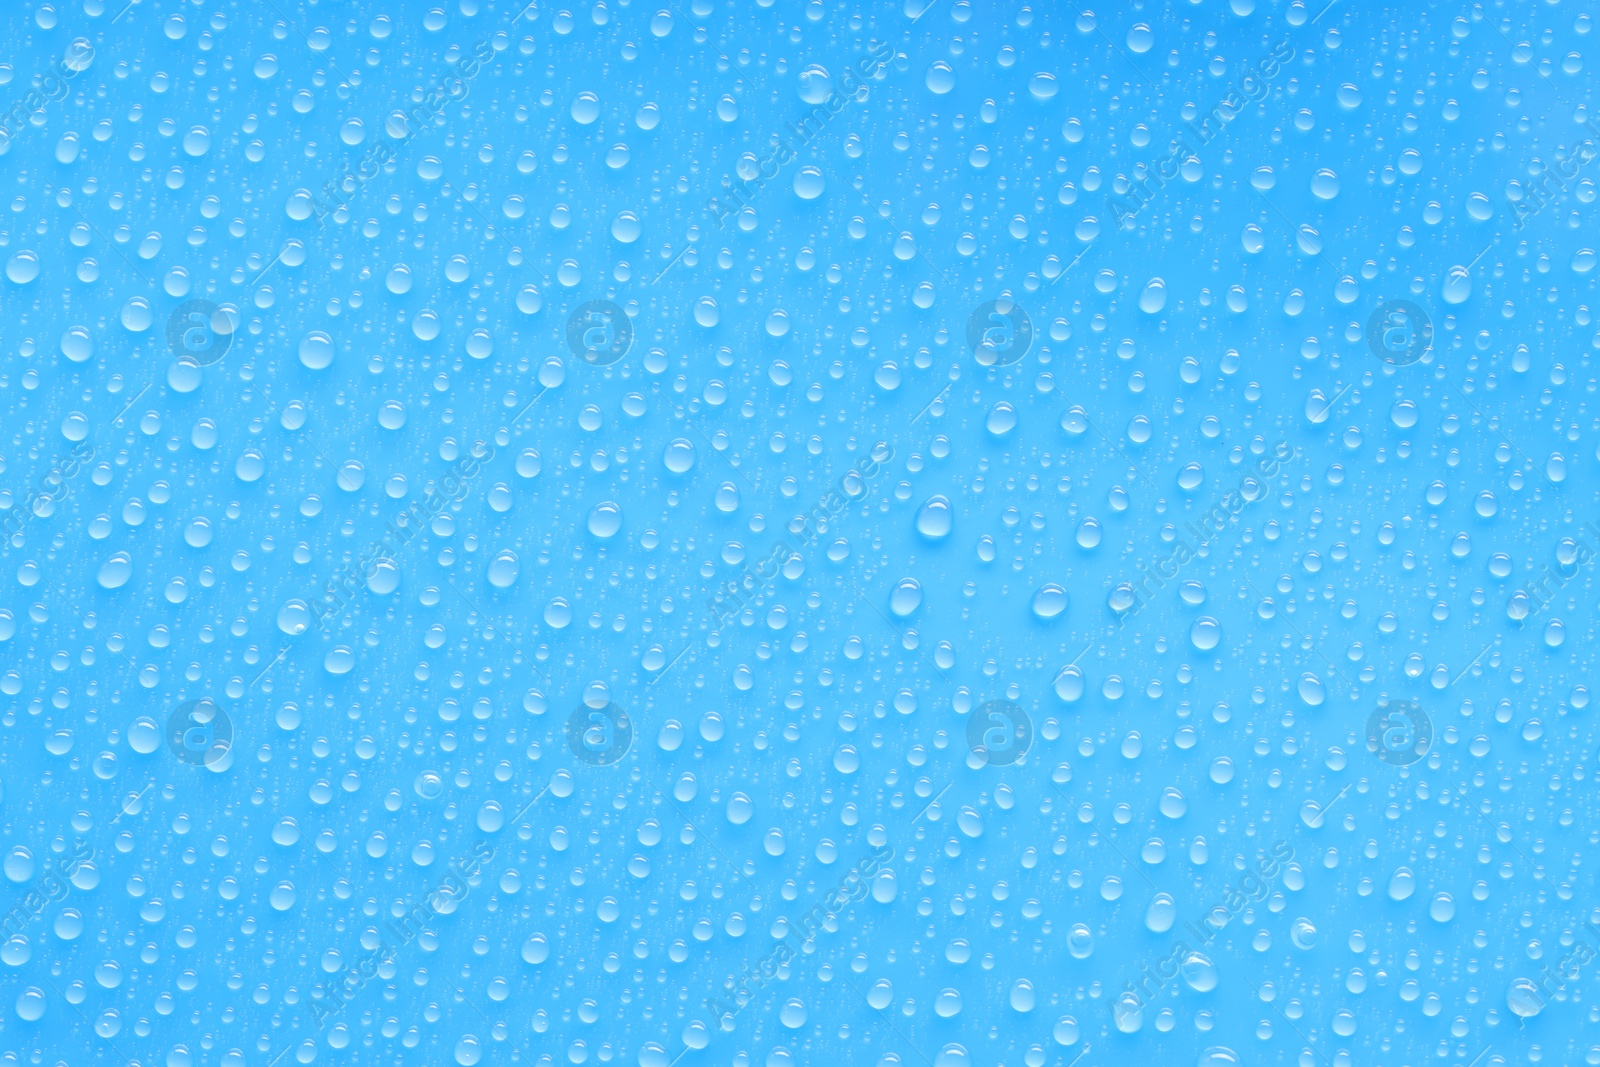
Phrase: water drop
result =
(935, 518)
(294, 618)
(1069, 684)
(1154, 296)
(503, 569)
(23, 267)
(1172, 803)
(906, 597)
(1199, 973)
(316, 350)
(31, 1004)
(585, 108)
(809, 183)
(1311, 690)
(1049, 601)
(605, 519)
(680, 455)
(1524, 999)
(816, 84)
(792, 1014)
(1127, 1011)
(1161, 914)
(1002, 419)
(115, 572)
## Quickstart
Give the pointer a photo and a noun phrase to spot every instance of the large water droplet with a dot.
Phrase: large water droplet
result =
(1524, 999)
(1069, 684)
(585, 108)
(1002, 419)
(1050, 601)
(503, 569)
(935, 518)
(1173, 805)
(792, 1014)
(1206, 633)
(680, 455)
(1127, 1011)
(809, 183)
(23, 267)
(816, 84)
(294, 618)
(1161, 914)
(115, 572)
(906, 597)
(1154, 296)
(316, 350)
(1199, 973)
(1023, 997)
(605, 519)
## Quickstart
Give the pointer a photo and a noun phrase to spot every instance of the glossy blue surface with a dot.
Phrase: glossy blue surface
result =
(782, 533)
